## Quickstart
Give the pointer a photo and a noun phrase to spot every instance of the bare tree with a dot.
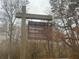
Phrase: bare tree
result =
(67, 13)
(10, 7)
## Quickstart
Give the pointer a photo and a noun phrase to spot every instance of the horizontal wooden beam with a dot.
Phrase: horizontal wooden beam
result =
(34, 16)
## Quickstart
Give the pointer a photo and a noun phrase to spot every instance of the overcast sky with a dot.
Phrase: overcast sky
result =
(39, 6)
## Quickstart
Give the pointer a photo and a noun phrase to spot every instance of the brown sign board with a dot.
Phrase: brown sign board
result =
(39, 30)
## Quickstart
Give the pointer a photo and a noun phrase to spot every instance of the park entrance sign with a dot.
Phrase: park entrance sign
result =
(24, 31)
(39, 30)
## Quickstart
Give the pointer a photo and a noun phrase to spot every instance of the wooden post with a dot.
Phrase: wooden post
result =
(23, 35)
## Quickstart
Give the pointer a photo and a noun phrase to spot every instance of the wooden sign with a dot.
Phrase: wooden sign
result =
(39, 30)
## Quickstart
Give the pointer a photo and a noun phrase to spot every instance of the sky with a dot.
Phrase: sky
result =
(39, 6)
